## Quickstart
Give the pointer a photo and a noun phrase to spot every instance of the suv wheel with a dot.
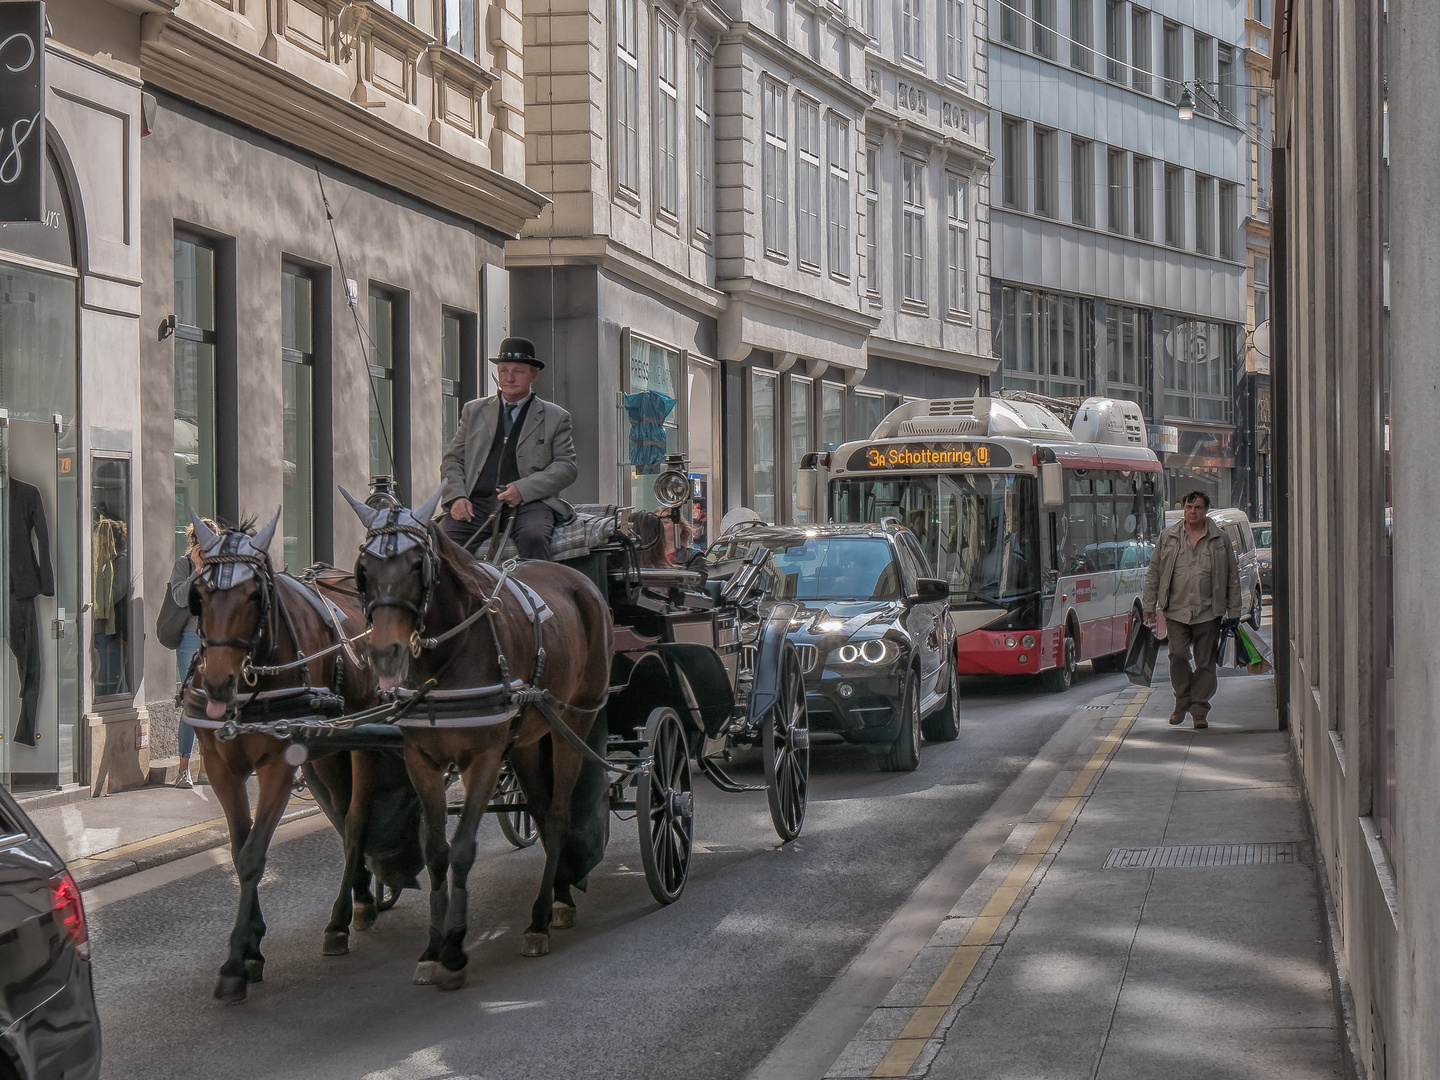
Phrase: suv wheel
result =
(943, 725)
(904, 752)
(1255, 614)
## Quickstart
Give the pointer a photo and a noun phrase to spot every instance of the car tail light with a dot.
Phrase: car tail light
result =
(71, 912)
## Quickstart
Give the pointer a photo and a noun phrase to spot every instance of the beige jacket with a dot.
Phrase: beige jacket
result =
(545, 453)
(1224, 570)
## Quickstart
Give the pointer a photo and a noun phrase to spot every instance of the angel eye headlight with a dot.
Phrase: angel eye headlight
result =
(847, 654)
(873, 652)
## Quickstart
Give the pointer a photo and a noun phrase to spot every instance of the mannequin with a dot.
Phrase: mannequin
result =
(30, 576)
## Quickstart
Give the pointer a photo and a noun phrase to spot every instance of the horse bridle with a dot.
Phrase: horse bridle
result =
(389, 534)
(264, 576)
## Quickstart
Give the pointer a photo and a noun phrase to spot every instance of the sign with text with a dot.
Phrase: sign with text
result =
(22, 111)
(930, 455)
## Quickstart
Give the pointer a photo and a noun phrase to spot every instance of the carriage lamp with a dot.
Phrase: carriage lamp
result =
(672, 488)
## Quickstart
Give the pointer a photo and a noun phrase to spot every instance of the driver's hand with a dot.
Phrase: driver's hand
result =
(461, 510)
(509, 495)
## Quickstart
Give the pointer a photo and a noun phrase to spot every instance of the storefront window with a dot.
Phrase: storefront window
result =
(802, 436)
(382, 385)
(654, 367)
(297, 352)
(111, 578)
(194, 383)
(762, 442)
(449, 378)
(832, 416)
(701, 441)
(869, 411)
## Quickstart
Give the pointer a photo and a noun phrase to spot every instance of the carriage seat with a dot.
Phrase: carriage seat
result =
(590, 528)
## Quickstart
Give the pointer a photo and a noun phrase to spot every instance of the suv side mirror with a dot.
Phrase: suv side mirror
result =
(930, 590)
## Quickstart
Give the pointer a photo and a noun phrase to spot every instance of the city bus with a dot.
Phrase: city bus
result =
(1043, 531)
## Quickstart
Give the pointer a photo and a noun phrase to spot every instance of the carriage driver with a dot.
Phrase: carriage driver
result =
(512, 449)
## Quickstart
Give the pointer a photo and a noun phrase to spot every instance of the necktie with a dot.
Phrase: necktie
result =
(509, 416)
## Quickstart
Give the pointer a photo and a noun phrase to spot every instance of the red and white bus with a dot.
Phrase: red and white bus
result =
(1043, 531)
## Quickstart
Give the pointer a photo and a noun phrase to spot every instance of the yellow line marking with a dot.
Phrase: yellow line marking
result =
(900, 1057)
(174, 834)
(907, 1047)
(947, 986)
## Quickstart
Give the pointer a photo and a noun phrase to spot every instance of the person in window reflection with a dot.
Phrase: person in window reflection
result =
(511, 450)
(1195, 580)
(679, 544)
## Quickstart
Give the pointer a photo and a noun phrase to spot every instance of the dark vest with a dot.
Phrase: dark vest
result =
(500, 468)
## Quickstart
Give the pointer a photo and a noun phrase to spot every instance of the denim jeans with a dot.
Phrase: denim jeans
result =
(189, 646)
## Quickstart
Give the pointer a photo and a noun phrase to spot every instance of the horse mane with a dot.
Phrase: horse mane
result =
(456, 559)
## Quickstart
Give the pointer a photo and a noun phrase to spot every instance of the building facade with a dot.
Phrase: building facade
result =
(327, 193)
(1119, 258)
(1356, 320)
(69, 389)
(1254, 401)
(727, 201)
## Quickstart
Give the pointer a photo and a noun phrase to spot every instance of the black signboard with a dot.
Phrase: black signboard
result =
(922, 456)
(22, 111)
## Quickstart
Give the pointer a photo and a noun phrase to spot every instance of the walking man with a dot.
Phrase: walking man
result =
(1195, 581)
(512, 450)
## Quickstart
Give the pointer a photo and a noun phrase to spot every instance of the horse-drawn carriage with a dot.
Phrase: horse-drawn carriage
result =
(560, 695)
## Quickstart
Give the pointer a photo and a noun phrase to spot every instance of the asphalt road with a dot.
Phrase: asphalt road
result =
(703, 988)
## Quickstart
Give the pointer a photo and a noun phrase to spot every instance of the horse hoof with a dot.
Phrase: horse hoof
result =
(255, 970)
(445, 979)
(337, 943)
(230, 989)
(425, 972)
(364, 917)
(562, 916)
(535, 945)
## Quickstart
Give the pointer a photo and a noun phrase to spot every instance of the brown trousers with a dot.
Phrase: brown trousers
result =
(1194, 680)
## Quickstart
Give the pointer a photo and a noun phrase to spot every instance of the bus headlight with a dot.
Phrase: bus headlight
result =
(875, 652)
(1028, 641)
(1010, 642)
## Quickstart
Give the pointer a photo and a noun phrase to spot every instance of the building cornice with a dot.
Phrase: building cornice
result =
(761, 41)
(531, 252)
(893, 349)
(185, 60)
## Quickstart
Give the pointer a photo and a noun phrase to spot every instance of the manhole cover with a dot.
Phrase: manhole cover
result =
(1156, 858)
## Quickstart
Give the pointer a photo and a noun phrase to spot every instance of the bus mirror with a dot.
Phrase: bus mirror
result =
(805, 480)
(1052, 484)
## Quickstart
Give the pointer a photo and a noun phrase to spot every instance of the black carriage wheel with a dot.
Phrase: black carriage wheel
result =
(786, 742)
(665, 808)
(517, 825)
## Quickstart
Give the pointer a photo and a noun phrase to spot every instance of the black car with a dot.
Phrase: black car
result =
(873, 630)
(47, 1001)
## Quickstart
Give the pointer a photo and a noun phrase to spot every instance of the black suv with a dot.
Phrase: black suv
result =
(48, 1024)
(873, 630)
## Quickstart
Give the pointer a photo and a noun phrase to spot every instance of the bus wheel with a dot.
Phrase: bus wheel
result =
(1058, 679)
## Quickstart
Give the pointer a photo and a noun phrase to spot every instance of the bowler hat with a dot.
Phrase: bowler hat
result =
(517, 350)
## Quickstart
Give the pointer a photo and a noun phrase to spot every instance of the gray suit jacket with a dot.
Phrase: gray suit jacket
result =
(545, 453)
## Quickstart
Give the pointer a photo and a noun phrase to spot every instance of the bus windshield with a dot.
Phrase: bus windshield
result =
(980, 530)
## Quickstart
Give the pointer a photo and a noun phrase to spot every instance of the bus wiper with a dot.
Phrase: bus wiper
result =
(992, 601)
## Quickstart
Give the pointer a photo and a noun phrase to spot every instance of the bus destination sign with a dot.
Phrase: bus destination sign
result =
(930, 455)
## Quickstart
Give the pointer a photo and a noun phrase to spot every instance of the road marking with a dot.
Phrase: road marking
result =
(813, 1044)
(900, 1057)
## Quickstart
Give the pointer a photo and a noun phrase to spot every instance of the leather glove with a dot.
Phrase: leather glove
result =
(1227, 626)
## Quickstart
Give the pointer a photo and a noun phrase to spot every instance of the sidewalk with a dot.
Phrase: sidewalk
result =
(107, 838)
(1154, 916)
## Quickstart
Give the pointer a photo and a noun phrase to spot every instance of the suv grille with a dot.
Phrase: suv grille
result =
(809, 656)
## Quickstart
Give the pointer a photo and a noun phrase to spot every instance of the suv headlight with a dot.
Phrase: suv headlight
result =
(875, 652)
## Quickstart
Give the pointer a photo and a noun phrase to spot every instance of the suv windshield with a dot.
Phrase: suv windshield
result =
(822, 567)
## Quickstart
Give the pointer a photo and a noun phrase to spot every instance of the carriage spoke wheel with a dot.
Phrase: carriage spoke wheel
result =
(517, 825)
(665, 808)
(786, 743)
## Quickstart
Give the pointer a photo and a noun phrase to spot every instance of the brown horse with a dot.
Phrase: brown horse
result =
(463, 643)
(249, 615)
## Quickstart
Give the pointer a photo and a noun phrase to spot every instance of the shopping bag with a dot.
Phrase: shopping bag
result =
(1162, 633)
(1259, 654)
(1140, 656)
(1221, 647)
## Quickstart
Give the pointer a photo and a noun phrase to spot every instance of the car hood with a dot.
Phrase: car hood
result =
(840, 619)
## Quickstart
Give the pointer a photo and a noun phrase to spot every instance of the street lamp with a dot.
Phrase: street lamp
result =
(1187, 104)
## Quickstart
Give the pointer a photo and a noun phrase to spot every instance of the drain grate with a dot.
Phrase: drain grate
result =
(1156, 858)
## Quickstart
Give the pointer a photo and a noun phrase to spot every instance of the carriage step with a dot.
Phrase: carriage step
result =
(718, 777)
